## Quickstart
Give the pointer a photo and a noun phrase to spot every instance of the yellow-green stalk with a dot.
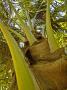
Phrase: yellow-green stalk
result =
(51, 40)
(23, 75)
(29, 21)
(17, 34)
(24, 27)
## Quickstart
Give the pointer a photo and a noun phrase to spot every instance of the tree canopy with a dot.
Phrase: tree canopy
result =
(27, 23)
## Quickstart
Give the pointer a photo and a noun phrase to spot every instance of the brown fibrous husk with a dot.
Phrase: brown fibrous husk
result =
(40, 51)
(51, 76)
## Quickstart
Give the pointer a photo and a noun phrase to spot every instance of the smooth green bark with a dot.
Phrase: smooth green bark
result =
(24, 77)
(51, 40)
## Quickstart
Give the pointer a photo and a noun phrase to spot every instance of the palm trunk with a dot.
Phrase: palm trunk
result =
(51, 40)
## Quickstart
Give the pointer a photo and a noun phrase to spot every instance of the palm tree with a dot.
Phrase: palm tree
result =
(38, 49)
